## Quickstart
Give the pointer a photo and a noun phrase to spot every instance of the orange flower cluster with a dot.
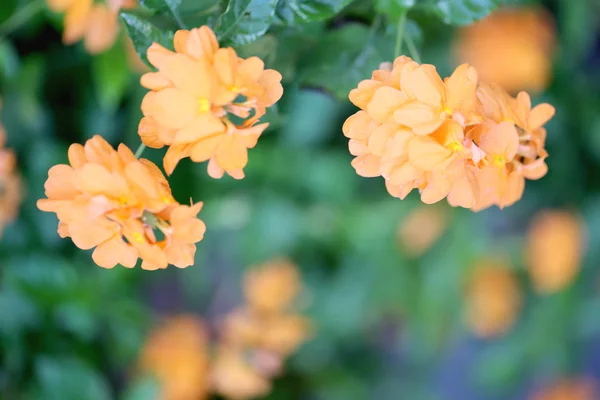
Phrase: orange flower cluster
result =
(10, 184)
(253, 342)
(456, 138)
(96, 23)
(257, 338)
(194, 96)
(511, 47)
(122, 206)
(555, 244)
(493, 299)
(569, 389)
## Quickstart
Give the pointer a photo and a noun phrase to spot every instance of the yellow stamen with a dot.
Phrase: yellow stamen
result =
(138, 237)
(234, 88)
(455, 146)
(123, 200)
(448, 111)
(499, 161)
(203, 105)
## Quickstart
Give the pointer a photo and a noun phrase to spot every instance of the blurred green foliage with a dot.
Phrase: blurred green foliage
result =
(388, 326)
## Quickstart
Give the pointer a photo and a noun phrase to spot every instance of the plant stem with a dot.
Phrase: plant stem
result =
(20, 18)
(412, 49)
(400, 34)
(140, 150)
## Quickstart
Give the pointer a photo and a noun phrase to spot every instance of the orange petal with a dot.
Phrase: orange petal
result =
(425, 153)
(188, 75)
(102, 29)
(437, 188)
(366, 165)
(379, 138)
(424, 84)
(251, 68)
(214, 169)
(202, 42)
(403, 174)
(205, 125)
(399, 191)
(249, 137)
(464, 193)
(171, 107)
(205, 149)
(180, 41)
(154, 81)
(539, 115)
(461, 89)
(420, 117)
(76, 21)
(363, 94)
(535, 170)
(115, 251)
(174, 154)
(514, 189)
(59, 5)
(359, 126)
(97, 180)
(231, 154)
(148, 130)
(500, 140)
(271, 81)
(76, 155)
(88, 234)
(384, 103)
(158, 55)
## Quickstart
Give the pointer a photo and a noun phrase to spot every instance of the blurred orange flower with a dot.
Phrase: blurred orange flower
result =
(455, 138)
(568, 389)
(421, 229)
(96, 24)
(196, 92)
(177, 355)
(10, 184)
(511, 47)
(272, 287)
(255, 339)
(555, 244)
(122, 206)
(493, 299)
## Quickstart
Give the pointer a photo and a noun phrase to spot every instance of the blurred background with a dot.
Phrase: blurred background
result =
(404, 301)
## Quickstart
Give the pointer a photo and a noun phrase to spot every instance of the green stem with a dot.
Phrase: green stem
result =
(20, 18)
(412, 49)
(175, 15)
(140, 150)
(400, 35)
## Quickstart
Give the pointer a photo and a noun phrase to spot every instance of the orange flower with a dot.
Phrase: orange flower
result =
(176, 354)
(555, 243)
(10, 184)
(512, 48)
(492, 299)
(96, 24)
(568, 389)
(109, 200)
(421, 229)
(193, 95)
(272, 287)
(233, 377)
(455, 138)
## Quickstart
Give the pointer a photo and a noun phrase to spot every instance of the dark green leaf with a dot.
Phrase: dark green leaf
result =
(300, 11)
(245, 20)
(111, 74)
(7, 9)
(345, 57)
(464, 12)
(161, 5)
(393, 8)
(143, 32)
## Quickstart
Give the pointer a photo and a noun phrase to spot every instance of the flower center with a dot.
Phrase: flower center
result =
(455, 146)
(499, 161)
(448, 111)
(203, 105)
(138, 237)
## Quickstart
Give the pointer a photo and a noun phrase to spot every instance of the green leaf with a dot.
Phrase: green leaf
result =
(345, 57)
(142, 389)
(464, 12)
(111, 75)
(245, 20)
(68, 379)
(301, 11)
(143, 32)
(7, 10)
(161, 5)
(393, 8)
